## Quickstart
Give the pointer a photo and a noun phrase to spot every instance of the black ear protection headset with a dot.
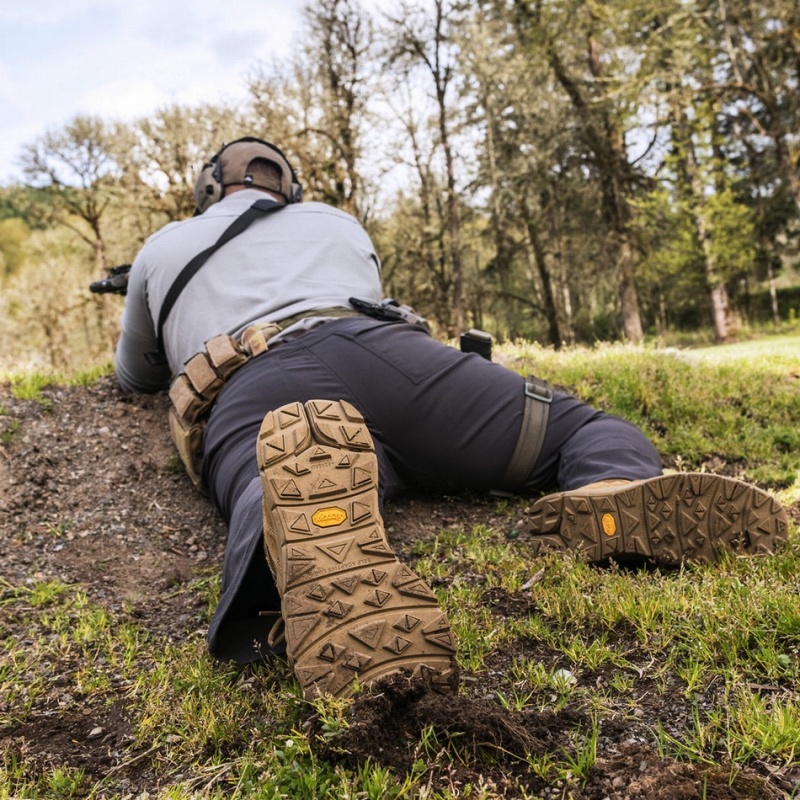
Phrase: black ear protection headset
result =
(229, 166)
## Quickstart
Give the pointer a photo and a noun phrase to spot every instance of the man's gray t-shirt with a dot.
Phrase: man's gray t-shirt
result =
(302, 257)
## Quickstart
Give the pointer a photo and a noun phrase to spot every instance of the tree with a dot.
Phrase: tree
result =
(760, 52)
(685, 46)
(315, 106)
(418, 41)
(415, 262)
(697, 181)
(77, 169)
(578, 37)
(162, 154)
(520, 138)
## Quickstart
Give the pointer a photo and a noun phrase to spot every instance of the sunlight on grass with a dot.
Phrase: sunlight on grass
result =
(773, 352)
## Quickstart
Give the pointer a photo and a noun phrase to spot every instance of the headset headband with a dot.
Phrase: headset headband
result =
(229, 166)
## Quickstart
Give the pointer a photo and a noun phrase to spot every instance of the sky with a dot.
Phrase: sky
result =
(120, 59)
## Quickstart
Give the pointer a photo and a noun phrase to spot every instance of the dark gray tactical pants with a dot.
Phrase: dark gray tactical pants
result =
(440, 419)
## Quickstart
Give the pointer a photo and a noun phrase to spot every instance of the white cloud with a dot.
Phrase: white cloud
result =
(123, 98)
(119, 59)
(43, 11)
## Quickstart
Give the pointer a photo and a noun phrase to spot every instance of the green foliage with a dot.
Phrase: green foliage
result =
(741, 414)
(13, 236)
(48, 319)
(523, 182)
(669, 238)
(733, 241)
(91, 376)
(28, 204)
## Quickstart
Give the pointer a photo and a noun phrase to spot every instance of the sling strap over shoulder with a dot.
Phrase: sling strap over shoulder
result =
(259, 209)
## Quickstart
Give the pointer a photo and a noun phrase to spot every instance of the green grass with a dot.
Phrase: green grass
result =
(594, 645)
(30, 385)
(90, 376)
(736, 406)
(777, 350)
(9, 430)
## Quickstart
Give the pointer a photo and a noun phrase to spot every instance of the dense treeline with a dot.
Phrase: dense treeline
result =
(563, 170)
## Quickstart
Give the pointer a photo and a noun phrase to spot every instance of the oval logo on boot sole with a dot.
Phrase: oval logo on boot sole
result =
(328, 517)
(609, 525)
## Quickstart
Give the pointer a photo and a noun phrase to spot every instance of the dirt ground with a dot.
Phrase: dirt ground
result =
(96, 465)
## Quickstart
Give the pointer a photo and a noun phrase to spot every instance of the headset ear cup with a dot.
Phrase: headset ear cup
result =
(208, 188)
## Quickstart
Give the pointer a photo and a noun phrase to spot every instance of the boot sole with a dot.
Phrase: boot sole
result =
(352, 611)
(669, 519)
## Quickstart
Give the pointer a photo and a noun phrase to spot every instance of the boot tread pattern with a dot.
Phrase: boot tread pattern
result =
(668, 519)
(351, 609)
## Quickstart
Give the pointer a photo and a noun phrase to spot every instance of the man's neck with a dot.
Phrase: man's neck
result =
(240, 187)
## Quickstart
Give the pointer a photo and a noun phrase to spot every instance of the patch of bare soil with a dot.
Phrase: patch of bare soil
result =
(90, 495)
(475, 742)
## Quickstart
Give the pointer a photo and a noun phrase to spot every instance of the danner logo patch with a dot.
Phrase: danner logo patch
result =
(328, 517)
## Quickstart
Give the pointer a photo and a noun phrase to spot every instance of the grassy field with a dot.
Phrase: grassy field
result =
(778, 350)
(698, 668)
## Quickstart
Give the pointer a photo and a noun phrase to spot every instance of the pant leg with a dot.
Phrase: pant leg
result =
(250, 603)
(583, 445)
(451, 420)
(439, 419)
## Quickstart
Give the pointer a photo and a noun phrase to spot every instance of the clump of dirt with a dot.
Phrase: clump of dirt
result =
(470, 742)
(91, 494)
(398, 721)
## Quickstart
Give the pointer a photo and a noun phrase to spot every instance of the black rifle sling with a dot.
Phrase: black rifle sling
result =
(241, 223)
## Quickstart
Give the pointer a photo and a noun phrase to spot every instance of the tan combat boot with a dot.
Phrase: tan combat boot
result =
(668, 519)
(351, 609)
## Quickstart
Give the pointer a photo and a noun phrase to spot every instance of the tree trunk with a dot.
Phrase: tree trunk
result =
(628, 297)
(425, 41)
(604, 137)
(453, 217)
(502, 253)
(773, 294)
(693, 182)
(548, 294)
(718, 296)
(787, 167)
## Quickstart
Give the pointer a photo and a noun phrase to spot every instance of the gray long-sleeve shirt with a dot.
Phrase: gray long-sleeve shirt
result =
(303, 257)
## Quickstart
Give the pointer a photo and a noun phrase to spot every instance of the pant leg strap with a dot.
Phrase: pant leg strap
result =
(538, 397)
